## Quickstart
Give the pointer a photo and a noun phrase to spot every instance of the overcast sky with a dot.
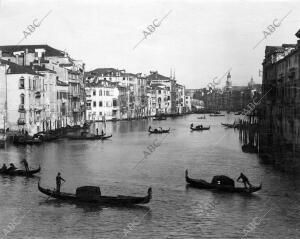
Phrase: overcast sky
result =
(199, 39)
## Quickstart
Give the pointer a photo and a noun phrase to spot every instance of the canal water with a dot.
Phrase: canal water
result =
(129, 163)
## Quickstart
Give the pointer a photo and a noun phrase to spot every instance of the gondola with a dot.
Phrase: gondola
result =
(160, 118)
(198, 128)
(248, 148)
(156, 131)
(19, 172)
(88, 137)
(202, 184)
(202, 117)
(216, 115)
(26, 140)
(90, 194)
(228, 125)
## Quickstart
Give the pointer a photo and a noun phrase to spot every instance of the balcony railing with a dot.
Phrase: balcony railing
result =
(21, 108)
(21, 121)
(74, 95)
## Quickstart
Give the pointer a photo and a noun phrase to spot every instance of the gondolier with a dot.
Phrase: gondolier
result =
(24, 161)
(58, 182)
(245, 180)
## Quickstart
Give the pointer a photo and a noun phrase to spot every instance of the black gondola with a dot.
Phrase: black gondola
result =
(90, 194)
(85, 136)
(156, 131)
(18, 172)
(216, 115)
(202, 184)
(199, 128)
(26, 140)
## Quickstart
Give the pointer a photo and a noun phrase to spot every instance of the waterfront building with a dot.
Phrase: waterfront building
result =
(280, 108)
(22, 84)
(67, 70)
(101, 100)
(132, 100)
(163, 92)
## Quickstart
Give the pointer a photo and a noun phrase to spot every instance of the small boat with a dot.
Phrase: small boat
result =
(229, 125)
(88, 137)
(105, 137)
(202, 117)
(91, 194)
(199, 128)
(25, 140)
(249, 148)
(202, 184)
(46, 136)
(19, 172)
(156, 131)
(160, 118)
(216, 115)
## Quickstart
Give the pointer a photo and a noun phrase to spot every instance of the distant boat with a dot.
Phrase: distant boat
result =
(88, 137)
(18, 172)
(226, 185)
(91, 194)
(216, 115)
(199, 128)
(158, 131)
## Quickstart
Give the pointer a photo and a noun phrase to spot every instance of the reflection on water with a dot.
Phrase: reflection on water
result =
(174, 210)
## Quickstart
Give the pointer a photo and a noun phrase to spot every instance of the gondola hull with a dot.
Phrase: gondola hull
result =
(202, 184)
(94, 137)
(200, 129)
(30, 173)
(100, 200)
(164, 131)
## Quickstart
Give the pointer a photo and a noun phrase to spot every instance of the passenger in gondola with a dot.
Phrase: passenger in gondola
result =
(4, 168)
(59, 179)
(97, 130)
(24, 161)
(102, 133)
(12, 167)
(245, 180)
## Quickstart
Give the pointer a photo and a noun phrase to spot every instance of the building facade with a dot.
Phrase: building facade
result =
(280, 110)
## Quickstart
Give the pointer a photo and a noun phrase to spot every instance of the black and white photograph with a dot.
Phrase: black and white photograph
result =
(149, 119)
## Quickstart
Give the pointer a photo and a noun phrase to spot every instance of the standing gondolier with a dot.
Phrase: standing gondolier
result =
(58, 182)
(24, 161)
(245, 180)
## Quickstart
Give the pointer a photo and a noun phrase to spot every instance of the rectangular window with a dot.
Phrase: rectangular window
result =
(94, 103)
(107, 93)
(100, 113)
(100, 103)
(100, 92)
(94, 92)
(114, 103)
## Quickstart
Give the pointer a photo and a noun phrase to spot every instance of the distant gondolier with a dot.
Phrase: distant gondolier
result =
(24, 161)
(58, 182)
(245, 180)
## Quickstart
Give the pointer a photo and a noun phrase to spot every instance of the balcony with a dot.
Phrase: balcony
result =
(21, 108)
(21, 121)
(74, 95)
(38, 107)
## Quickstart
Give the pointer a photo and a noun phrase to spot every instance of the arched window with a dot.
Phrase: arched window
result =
(22, 99)
(21, 83)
